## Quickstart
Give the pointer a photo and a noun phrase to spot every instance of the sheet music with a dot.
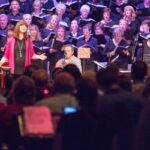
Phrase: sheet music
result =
(100, 64)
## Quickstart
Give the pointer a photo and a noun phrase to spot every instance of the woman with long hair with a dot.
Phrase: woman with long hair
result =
(19, 50)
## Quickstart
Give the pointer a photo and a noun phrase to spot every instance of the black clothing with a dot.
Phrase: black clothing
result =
(19, 55)
(55, 56)
(16, 17)
(26, 7)
(118, 117)
(79, 131)
(123, 59)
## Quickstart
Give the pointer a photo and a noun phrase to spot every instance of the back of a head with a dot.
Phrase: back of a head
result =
(125, 82)
(89, 74)
(30, 69)
(64, 83)
(8, 80)
(139, 70)
(55, 72)
(146, 90)
(107, 77)
(87, 93)
(40, 77)
(73, 70)
(23, 91)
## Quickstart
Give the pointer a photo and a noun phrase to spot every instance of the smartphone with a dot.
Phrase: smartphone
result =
(70, 109)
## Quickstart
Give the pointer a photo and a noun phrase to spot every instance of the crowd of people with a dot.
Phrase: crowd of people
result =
(48, 50)
(105, 110)
(116, 31)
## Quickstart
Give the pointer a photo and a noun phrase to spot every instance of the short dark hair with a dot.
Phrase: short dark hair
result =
(108, 76)
(64, 83)
(87, 92)
(40, 77)
(73, 70)
(23, 91)
(139, 70)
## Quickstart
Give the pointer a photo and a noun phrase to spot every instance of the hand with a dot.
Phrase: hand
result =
(43, 57)
(1, 64)
(45, 40)
(110, 54)
(101, 45)
(66, 61)
(52, 51)
(126, 52)
(3, 61)
(2, 49)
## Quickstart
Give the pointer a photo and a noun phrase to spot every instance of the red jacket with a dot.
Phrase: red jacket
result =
(9, 52)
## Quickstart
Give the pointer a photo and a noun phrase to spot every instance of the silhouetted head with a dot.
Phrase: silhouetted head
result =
(139, 70)
(40, 77)
(87, 93)
(64, 83)
(73, 70)
(107, 77)
(30, 69)
(23, 91)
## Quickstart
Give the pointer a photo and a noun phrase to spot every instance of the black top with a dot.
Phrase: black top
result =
(19, 55)
(123, 59)
(79, 131)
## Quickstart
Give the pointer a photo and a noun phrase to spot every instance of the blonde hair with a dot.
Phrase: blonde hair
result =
(4, 16)
(38, 36)
(26, 15)
(132, 10)
(61, 6)
(118, 31)
(37, 2)
(52, 17)
(85, 7)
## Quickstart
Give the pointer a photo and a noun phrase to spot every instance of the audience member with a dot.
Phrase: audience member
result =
(64, 89)
(40, 78)
(141, 140)
(22, 94)
(79, 130)
(121, 36)
(69, 58)
(119, 111)
(139, 72)
(74, 71)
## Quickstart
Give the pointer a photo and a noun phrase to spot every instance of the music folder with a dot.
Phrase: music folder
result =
(39, 20)
(100, 64)
(73, 5)
(84, 53)
(119, 52)
(84, 22)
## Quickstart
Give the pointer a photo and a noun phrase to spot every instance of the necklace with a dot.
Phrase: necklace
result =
(20, 46)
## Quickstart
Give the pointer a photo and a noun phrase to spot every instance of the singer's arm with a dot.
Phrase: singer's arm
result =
(2, 61)
(7, 53)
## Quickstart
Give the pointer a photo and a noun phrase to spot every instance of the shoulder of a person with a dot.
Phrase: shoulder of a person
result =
(94, 39)
(11, 39)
